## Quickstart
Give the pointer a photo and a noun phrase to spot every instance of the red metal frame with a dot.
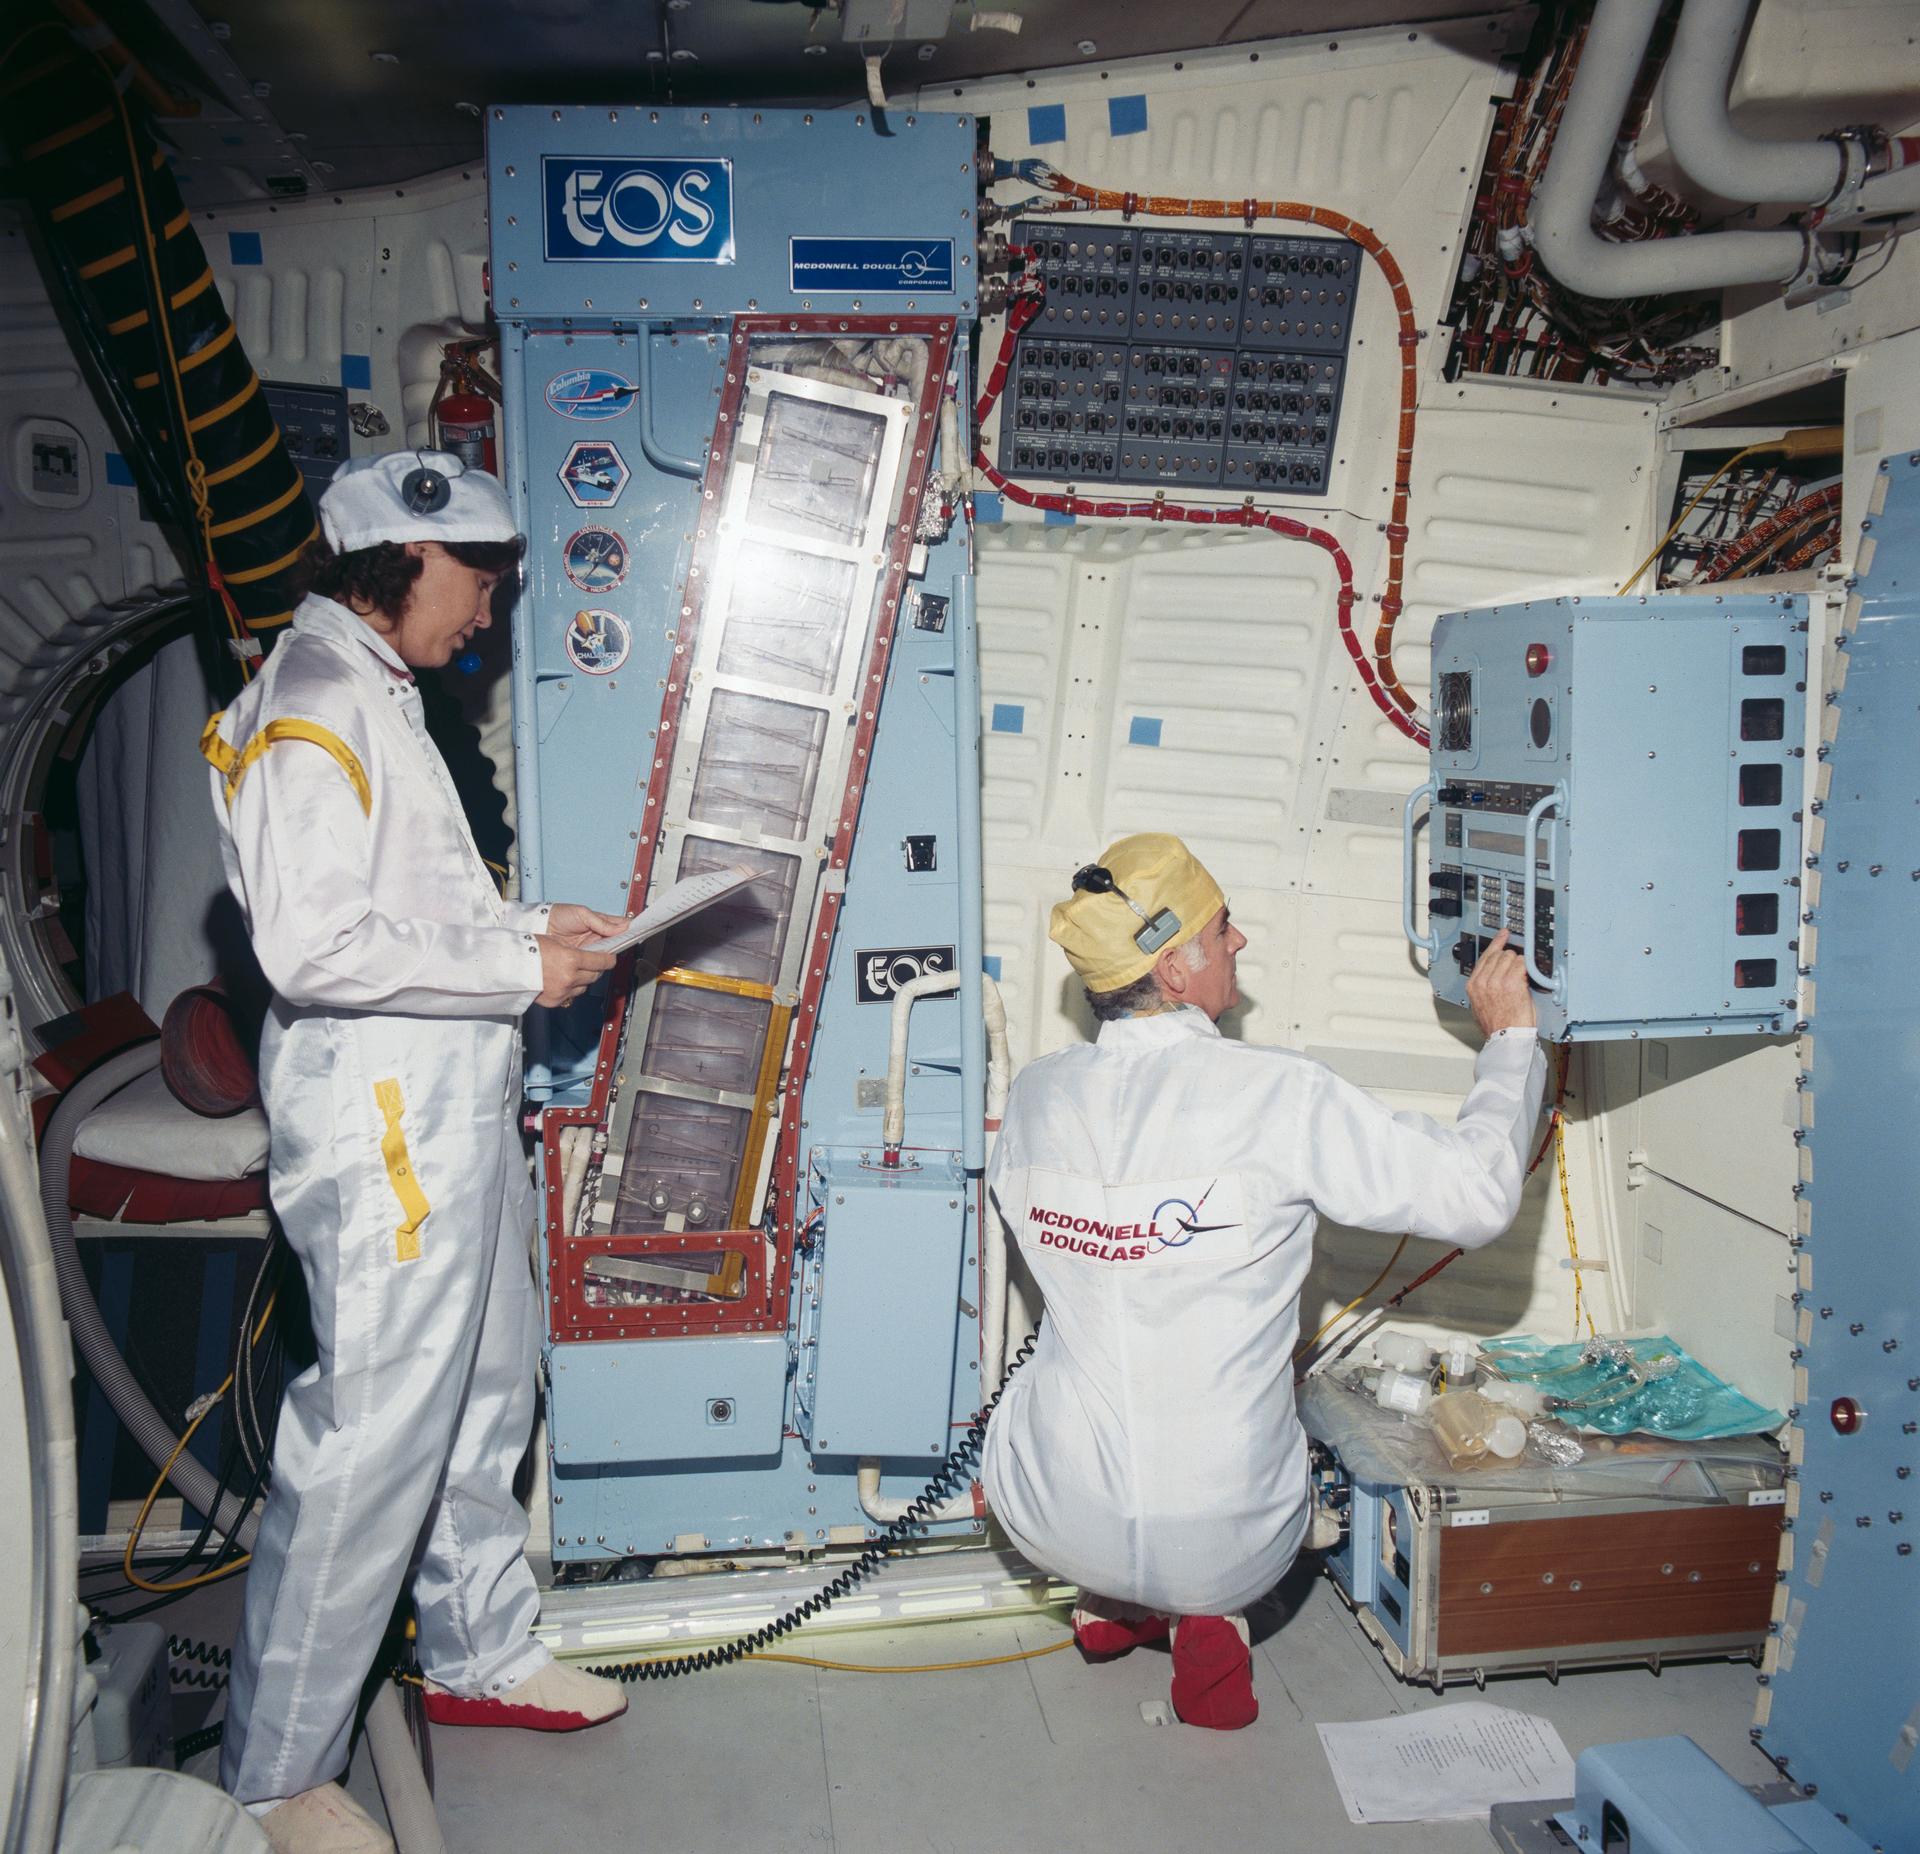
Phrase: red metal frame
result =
(764, 1305)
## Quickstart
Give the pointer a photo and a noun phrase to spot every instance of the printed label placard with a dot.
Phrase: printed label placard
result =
(874, 265)
(637, 211)
(878, 971)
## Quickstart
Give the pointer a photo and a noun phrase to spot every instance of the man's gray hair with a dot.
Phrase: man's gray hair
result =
(1143, 996)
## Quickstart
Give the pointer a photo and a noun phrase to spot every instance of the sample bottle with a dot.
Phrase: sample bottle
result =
(1469, 1428)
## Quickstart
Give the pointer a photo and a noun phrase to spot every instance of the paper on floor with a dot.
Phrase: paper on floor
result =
(1445, 1763)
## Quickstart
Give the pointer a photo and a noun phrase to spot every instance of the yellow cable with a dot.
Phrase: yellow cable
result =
(1364, 1293)
(153, 1493)
(850, 1667)
(1566, 1210)
(1659, 547)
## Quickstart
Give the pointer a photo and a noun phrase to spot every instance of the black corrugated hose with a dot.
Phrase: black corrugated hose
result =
(134, 278)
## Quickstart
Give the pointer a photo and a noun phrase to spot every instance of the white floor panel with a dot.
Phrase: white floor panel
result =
(1042, 1754)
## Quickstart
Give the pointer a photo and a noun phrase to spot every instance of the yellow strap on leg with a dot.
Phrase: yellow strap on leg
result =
(400, 1172)
(232, 762)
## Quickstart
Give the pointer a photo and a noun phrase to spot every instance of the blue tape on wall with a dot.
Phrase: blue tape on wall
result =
(1047, 122)
(119, 471)
(244, 248)
(990, 965)
(1126, 115)
(356, 370)
(1009, 718)
(1144, 731)
(989, 508)
(1058, 518)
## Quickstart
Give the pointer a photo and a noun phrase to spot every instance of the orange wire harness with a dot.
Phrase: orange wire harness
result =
(1376, 671)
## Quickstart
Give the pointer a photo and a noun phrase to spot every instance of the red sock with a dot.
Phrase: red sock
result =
(1212, 1675)
(1104, 1638)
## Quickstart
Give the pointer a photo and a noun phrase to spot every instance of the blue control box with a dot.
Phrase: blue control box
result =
(1617, 784)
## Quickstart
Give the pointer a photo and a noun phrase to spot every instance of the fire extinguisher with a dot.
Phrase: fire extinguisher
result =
(465, 415)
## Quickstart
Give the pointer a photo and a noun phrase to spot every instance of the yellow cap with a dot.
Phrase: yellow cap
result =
(1097, 931)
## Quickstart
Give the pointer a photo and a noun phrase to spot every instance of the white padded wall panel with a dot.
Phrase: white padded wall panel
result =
(1270, 759)
(60, 559)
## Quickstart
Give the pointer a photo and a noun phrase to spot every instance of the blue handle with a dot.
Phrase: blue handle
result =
(1428, 942)
(1557, 982)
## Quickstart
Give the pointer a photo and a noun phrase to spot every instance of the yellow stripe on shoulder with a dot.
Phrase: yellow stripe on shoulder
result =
(232, 762)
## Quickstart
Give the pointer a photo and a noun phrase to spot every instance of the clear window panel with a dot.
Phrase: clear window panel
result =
(815, 468)
(745, 935)
(786, 616)
(710, 1038)
(600, 1291)
(758, 763)
(682, 1159)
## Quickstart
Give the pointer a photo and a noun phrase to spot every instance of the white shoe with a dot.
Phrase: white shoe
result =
(558, 1698)
(324, 1821)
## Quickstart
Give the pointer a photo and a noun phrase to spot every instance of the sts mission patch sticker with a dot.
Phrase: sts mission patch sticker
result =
(595, 559)
(598, 642)
(589, 393)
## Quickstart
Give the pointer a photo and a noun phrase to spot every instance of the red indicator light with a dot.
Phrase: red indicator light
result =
(1538, 657)
(1847, 1415)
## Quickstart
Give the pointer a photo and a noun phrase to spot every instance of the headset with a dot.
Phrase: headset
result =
(425, 489)
(1160, 926)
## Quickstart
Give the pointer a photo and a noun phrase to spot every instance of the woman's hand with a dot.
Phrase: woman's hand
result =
(574, 925)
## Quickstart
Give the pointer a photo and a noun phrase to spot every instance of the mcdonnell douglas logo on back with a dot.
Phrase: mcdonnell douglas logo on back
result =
(1124, 1236)
(635, 211)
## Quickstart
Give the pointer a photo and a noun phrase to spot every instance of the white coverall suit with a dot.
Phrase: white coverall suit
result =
(390, 1071)
(1163, 1185)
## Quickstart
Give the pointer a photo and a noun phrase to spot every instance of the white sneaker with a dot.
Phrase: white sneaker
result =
(558, 1698)
(324, 1821)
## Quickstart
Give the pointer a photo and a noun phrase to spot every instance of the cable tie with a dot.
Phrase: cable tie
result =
(1411, 340)
(1398, 531)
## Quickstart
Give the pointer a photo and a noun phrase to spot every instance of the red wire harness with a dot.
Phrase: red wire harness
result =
(1376, 672)
(1745, 550)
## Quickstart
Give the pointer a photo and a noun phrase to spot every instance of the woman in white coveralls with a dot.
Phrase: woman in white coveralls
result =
(390, 1070)
(1163, 1184)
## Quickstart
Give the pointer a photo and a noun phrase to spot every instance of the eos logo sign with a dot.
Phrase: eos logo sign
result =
(638, 211)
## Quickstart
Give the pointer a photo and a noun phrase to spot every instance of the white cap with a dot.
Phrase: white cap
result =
(412, 496)
(1507, 1437)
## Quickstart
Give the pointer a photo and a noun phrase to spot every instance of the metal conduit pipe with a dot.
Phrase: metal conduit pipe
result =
(1715, 154)
(1562, 217)
(883, 1509)
(403, 1786)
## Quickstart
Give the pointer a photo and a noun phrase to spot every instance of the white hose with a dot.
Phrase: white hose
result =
(403, 1787)
(883, 1509)
(893, 1122)
(993, 1235)
(1715, 154)
(1562, 217)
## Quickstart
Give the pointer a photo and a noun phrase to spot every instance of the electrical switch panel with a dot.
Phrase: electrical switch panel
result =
(1652, 885)
(1181, 359)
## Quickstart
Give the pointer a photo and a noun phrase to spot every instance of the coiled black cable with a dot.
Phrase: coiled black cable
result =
(948, 1480)
(197, 1664)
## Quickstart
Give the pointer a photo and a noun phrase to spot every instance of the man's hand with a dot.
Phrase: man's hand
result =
(566, 971)
(572, 924)
(1498, 993)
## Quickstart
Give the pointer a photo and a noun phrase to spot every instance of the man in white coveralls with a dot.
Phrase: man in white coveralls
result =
(1163, 1184)
(390, 1071)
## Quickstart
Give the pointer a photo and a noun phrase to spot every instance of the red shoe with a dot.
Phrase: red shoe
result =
(1213, 1675)
(558, 1698)
(1107, 1638)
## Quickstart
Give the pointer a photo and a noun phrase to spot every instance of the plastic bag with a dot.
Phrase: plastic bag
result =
(1617, 1387)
